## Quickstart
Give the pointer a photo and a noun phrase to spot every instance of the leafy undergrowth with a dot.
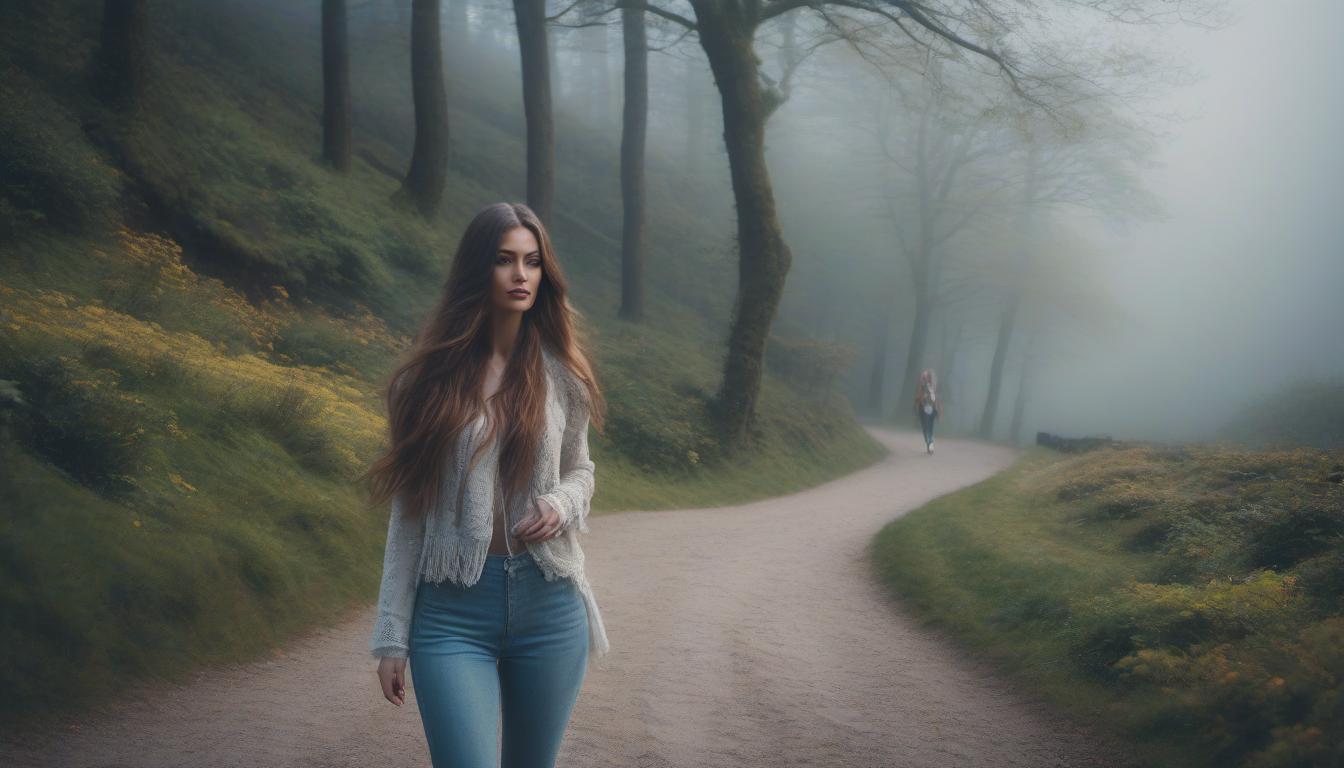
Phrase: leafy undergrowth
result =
(195, 317)
(1191, 598)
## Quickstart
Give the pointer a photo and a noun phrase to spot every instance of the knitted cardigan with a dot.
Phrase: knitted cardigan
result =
(433, 549)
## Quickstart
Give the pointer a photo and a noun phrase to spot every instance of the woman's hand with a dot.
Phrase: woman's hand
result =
(541, 523)
(392, 676)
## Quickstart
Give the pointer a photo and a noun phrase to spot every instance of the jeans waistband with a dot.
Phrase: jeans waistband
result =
(510, 562)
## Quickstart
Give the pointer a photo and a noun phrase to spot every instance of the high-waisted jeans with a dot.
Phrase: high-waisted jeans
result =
(511, 648)
(926, 421)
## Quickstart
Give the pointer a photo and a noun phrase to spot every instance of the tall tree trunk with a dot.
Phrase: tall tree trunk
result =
(915, 354)
(996, 367)
(726, 31)
(920, 273)
(553, 61)
(428, 172)
(877, 378)
(335, 86)
(635, 116)
(123, 58)
(530, 16)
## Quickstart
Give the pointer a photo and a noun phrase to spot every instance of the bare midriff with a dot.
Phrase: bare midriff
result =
(498, 544)
(500, 540)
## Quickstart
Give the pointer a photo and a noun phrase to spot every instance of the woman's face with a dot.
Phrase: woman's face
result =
(517, 268)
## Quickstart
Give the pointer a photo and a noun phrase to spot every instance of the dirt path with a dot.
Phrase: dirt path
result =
(741, 636)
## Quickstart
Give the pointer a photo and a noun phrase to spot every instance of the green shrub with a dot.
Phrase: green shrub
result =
(81, 420)
(810, 366)
(1116, 634)
(257, 560)
(676, 445)
(1281, 536)
(1149, 538)
(1123, 504)
(1322, 580)
(1100, 640)
(52, 175)
(318, 341)
(1173, 568)
(1030, 607)
(291, 416)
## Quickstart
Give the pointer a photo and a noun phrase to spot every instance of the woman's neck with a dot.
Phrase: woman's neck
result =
(504, 330)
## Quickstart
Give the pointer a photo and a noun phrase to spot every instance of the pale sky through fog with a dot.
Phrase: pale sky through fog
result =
(1240, 289)
(1235, 294)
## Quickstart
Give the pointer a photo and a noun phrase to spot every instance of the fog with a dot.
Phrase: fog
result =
(1187, 263)
(1240, 289)
(1230, 296)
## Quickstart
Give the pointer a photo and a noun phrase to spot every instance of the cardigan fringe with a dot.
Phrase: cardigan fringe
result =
(457, 555)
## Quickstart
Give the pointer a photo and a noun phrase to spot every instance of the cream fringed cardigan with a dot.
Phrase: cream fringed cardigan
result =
(434, 549)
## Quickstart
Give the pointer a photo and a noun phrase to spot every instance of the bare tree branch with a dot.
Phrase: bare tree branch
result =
(570, 7)
(656, 11)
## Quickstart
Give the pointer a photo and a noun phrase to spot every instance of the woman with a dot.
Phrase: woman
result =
(483, 589)
(928, 406)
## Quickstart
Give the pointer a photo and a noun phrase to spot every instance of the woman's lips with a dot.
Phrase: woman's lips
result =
(519, 294)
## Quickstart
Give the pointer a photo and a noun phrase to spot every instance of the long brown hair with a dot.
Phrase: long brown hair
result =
(932, 379)
(434, 394)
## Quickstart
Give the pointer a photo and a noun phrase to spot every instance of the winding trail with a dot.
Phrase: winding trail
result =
(741, 636)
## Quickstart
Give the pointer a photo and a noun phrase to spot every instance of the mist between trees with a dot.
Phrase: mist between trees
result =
(945, 185)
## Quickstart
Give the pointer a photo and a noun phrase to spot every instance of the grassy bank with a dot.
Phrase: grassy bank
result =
(196, 317)
(1191, 599)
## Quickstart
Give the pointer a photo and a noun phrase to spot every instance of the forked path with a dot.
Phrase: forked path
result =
(743, 636)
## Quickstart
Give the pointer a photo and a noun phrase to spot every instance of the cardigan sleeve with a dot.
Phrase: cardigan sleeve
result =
(396, 595)
(572, 496)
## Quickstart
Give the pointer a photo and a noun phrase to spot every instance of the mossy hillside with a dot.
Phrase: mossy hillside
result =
(168, 500)
(1186, 597)
(212, 477)
(198, 316)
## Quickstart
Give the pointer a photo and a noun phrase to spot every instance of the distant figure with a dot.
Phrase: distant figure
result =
(928, 406)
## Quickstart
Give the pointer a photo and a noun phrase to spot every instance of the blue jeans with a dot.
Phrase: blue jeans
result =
(926, 422)
(513, 647)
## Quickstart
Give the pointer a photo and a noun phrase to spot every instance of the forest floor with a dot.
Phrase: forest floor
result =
(748, 635)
